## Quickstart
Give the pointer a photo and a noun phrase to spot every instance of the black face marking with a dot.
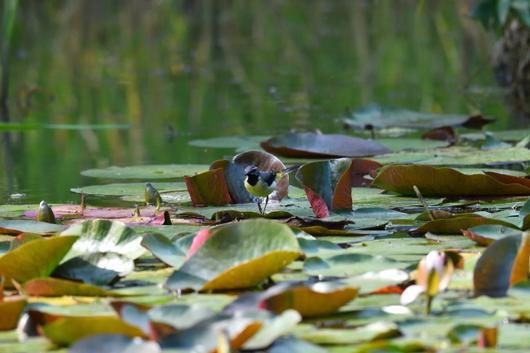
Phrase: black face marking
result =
(252, 173)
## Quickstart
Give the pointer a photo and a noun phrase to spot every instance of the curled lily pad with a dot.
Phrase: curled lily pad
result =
(237, 255)
(503, 263)
(432, 181)
(454, 225)
(208, 188)
(327, 185)
(312, 145)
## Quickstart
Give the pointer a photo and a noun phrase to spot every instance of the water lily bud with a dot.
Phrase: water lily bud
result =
(45, 213)
(151, 196)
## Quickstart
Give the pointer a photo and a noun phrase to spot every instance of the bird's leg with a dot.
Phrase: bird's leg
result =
(259, 205)
(266, 202)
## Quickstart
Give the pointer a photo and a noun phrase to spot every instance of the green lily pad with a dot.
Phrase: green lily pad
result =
(345, 265)
(458, 156)
(16, 226)
(128, 189)
(53, 287)
(381, 116)
(237, 255)
(101, 236)
(35, 259)
(146, 172)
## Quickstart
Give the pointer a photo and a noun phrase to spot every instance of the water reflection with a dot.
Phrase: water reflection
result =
(176, 70)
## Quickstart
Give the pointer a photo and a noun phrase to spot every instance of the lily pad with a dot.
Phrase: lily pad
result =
(101, 236)
(68, 330)
(458, 156)
(433, 181)
(35, 259)
(10, 310)
(114, 344)
(146, 172)
(504, 262)
(53, 287)
(327, 185)
(17, 226)
(237, 255)
(344, 265)
(127, 189)
(312, 145)
(380, 116)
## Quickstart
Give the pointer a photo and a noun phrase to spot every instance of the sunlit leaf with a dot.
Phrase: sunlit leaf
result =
(238, 255)
(35, 259)
(146, 172)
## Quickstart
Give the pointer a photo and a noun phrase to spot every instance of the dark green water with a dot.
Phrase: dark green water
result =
(179, 70)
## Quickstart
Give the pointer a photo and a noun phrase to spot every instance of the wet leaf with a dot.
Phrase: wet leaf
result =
(311, 145)
(53, 287)
(35, 259)
(146, 172)
(433, 181)
(10, 310)
(327, 185)
(237, 255)
(68, 330)
(274, 328)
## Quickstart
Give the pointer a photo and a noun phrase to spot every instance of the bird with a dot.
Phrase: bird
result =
(152, 196)
(263, 183)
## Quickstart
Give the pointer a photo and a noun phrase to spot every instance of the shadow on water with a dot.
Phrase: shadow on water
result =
(177, 70)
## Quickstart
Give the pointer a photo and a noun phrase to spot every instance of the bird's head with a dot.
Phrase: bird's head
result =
(251, 170)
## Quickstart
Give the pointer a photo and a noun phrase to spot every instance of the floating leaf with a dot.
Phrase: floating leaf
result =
(164, 249)
(487, 234)
(53, 287)
(238, 255)
(327, 185)
(207, 335)
(35, 259)
(458, 156)
(68, 330)
(380, 116)
(100, 236)
(454, 225)
(114, 344)
(95, 268)
(273, 329)
(10, 310)
(434, 181)
(503, 263)
(312, 145)
(17, 226)
(127, 189)
(349, 265)
(146, 172)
